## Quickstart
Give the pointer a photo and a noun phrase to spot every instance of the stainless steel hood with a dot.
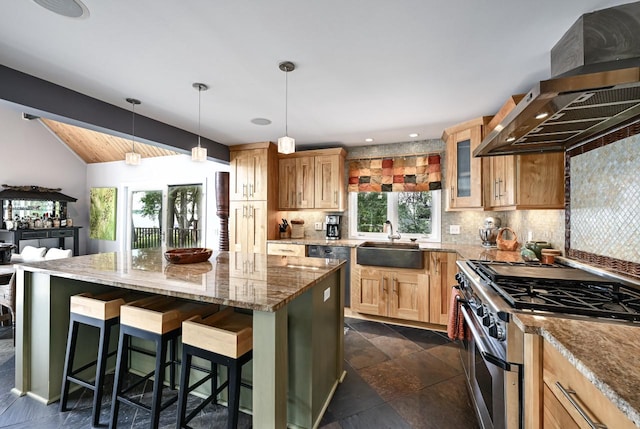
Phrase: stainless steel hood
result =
(598, 61)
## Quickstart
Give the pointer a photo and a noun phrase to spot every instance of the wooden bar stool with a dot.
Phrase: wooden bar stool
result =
(103, 312)
(157, 319)
(224, 338)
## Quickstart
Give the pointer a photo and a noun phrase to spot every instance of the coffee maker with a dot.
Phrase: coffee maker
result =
(333, 227)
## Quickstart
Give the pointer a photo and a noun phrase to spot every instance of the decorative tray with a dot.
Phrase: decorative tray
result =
(189, 255)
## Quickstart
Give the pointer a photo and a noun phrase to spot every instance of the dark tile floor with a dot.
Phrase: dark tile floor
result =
(397, 377)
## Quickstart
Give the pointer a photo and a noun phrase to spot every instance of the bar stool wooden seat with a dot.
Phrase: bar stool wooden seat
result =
(224, 338)
(157, 319)
(103, 312)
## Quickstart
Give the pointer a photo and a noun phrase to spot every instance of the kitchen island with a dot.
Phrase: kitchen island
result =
(297, 306)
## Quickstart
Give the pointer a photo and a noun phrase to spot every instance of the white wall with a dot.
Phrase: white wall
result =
(151, 173)
(32, 155)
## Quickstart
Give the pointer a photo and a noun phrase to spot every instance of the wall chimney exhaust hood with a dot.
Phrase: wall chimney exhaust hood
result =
(596, 87)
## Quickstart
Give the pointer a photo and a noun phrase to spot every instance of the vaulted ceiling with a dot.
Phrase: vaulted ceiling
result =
(93, 147)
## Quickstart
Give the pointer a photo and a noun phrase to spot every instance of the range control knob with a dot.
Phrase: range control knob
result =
(480, 310)
(497, 332)
(459, 277)
(487, 320)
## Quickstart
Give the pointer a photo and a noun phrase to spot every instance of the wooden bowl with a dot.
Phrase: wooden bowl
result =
(189, 255)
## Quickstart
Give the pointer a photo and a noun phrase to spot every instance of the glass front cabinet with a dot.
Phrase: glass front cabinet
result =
(463, 187)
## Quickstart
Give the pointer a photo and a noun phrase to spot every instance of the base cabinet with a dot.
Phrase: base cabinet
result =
(419, 295)
(393, 293)
(572, 401)
(442, 274)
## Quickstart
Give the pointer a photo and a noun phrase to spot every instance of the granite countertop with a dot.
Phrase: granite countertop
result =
(244, 280)
(604, 352)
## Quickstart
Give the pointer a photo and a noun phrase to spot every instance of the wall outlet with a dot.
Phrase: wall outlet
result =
(454, 229)
(318, 226)
(327, 294)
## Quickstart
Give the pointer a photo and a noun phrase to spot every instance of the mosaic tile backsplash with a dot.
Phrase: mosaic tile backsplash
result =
(605, 200)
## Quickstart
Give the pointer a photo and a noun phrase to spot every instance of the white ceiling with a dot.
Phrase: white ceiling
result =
(365, 68)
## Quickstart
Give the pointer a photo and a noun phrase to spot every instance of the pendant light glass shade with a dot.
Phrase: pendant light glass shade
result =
(199, 153)
(133, 157)
(286, 144)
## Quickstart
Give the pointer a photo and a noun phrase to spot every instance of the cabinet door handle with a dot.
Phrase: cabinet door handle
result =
(499, 188)
(567, 393)
(451, 195)
(437, 265)
(251, 190)
(250, 212)
(244, 210)
(335, 197)
(384, 285)
(244, 191)
(299, 197)
(495, 192)
(395, 286)
(293, 199)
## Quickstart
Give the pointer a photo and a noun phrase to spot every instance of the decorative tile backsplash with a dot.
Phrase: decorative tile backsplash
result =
(605, 200)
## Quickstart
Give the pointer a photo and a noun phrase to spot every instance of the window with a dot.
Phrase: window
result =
(412, 214)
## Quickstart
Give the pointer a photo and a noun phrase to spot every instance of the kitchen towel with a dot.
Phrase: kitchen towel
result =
(456, 329)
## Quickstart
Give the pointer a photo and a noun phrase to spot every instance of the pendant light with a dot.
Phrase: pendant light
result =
(133, 158)
(286, 144)
(199, 153)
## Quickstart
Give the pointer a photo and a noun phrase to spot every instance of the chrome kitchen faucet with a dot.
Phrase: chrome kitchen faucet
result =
(391, 235)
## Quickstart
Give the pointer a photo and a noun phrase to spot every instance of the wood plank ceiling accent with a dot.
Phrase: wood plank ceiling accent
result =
(94, 147)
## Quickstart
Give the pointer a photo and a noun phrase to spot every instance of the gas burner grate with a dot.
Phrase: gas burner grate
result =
(572, 291)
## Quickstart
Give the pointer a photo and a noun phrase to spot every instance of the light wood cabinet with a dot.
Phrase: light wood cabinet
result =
(399, 293)
(442, 278)
(421, 295)
(248, 226)
(296, 183)
(312, 179)
(253, 195)
(527, 181)
(570, 400)
(250, 174)
(329, 184)
(464, 186)
(286, 249)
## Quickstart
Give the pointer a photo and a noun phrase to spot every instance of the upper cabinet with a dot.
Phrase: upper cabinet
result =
(296, 182)
(250, 172)
(506, 182)
(464, 187)
(528, 181)
(312, 179)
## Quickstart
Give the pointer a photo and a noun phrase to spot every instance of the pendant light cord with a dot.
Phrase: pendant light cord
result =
(286, 103)
(199, 110)
(133, 127)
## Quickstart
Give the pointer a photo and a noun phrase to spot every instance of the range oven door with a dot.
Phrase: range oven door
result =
(485, 368)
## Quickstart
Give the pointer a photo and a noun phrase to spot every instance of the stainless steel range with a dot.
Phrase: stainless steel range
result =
(492, 292)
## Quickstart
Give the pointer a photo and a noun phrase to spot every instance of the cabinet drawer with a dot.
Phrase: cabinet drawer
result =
(27, 235)
(578, 397)
(286, 249)
(61, 233)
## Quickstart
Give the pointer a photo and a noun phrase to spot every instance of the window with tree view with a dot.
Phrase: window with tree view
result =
(413, 214)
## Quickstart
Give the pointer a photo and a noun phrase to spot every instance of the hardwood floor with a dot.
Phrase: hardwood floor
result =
(397, 377)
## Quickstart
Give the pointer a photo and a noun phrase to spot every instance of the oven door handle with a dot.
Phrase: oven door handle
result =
(486, 354)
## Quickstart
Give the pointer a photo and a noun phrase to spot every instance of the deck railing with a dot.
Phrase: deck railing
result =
(177, 237)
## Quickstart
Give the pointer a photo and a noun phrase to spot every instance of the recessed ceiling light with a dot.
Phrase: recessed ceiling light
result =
(414, 135)
(511, 139)
(368, 140)
(68, 8)
(542, 115)
(260, 121)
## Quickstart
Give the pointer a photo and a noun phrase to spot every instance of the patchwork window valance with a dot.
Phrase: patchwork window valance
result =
(395, 174)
